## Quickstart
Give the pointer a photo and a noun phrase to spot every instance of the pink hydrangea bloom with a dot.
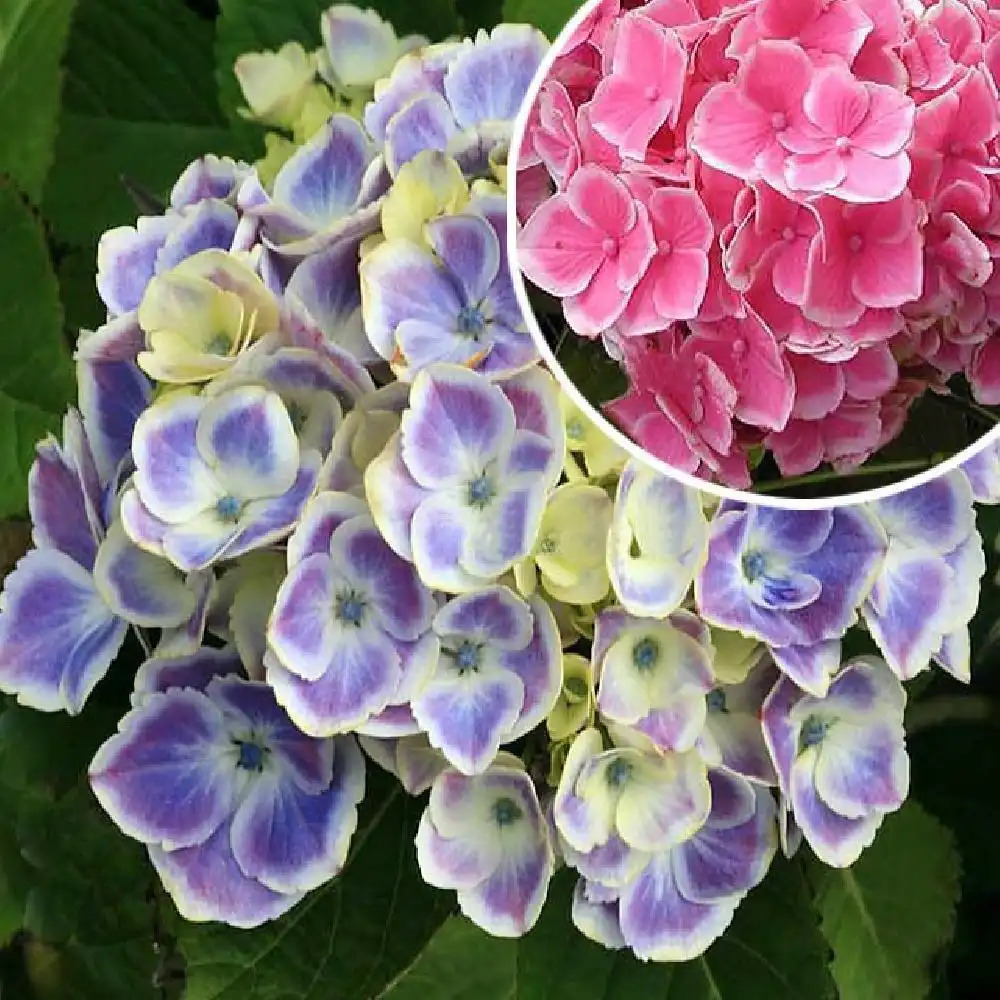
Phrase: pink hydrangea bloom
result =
(781, 217)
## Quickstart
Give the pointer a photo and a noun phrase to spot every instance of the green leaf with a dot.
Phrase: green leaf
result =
(32, 39)
(69, 880)
(772, 950)
(889, 917)
(346, 940)
(460, 962)
(139, 100)
(269, 24)
(549, 15)
(36, 374)
(477, 14)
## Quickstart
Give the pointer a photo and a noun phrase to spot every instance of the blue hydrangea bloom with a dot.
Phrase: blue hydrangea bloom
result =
(268, 813)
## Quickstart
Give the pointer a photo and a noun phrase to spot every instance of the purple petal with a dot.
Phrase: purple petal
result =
(595, 920)
(718, 863)
(781, 734)
(908, 610)
(293, 841)
(138, 586)
(489, 81)
(468, 247)
(439, 536)
(194, 671)
(425, 123)
(59, 510)
(302, 631)
(836, 840)
(172, 479)
(457, 423)
(209, 225)
(494, 614)
(126, 258)
(393, 496)
(199, 542)
(509, 902)
(861, 770)
(659, 924)
(359, 682)
(539, 666)
(167, 777)
(323, 179)
(458, 863)
(811, 667)
(57, 636)
(792, 532)
(325, 290)
(467, 717)
(247, 438)
(402, 605)
(321, 517)
(205, 883)
(112, 394)
(937, 515)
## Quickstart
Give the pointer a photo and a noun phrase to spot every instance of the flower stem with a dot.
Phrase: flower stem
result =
(946, 709)
(966, 405)
(816, 478)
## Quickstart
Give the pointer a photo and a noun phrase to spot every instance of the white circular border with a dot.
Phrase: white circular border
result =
(619, 438)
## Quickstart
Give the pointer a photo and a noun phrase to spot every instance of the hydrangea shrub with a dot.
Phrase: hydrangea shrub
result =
(318, 475)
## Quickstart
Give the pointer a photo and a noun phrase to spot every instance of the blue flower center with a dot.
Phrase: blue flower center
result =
(251, 756)
(468, 656)
(350, 608)
(481, 491)
(618, 772)
(574, 430)
(471, 322)
(716, 700)
(645, 654)
(754, 566)
(506, 812)
(813, 732)
(229, 508)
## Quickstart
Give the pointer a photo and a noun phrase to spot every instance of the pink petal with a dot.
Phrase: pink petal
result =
(819, 387)
(680, 280)
(680, 216)
(815, 171)
(984, 372)
(890, 274)
(889, 125)
(836, 102)
(872, 179)
(557, 250)
(729, 133)
(601, 200)
(871, 373)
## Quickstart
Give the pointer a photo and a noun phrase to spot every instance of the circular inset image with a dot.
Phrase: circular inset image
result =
(760, 241)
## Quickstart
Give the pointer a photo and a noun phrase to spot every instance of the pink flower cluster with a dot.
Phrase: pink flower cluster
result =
(781, 216)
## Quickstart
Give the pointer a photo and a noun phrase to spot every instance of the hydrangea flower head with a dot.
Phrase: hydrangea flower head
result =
(216, 476)
(496, 678)
(461, 489)
(349, 621)
(841, 759)
(486, 837)
(239, 850)
(792, 579)
(201, 315)
(654, 675)
(782, 196)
